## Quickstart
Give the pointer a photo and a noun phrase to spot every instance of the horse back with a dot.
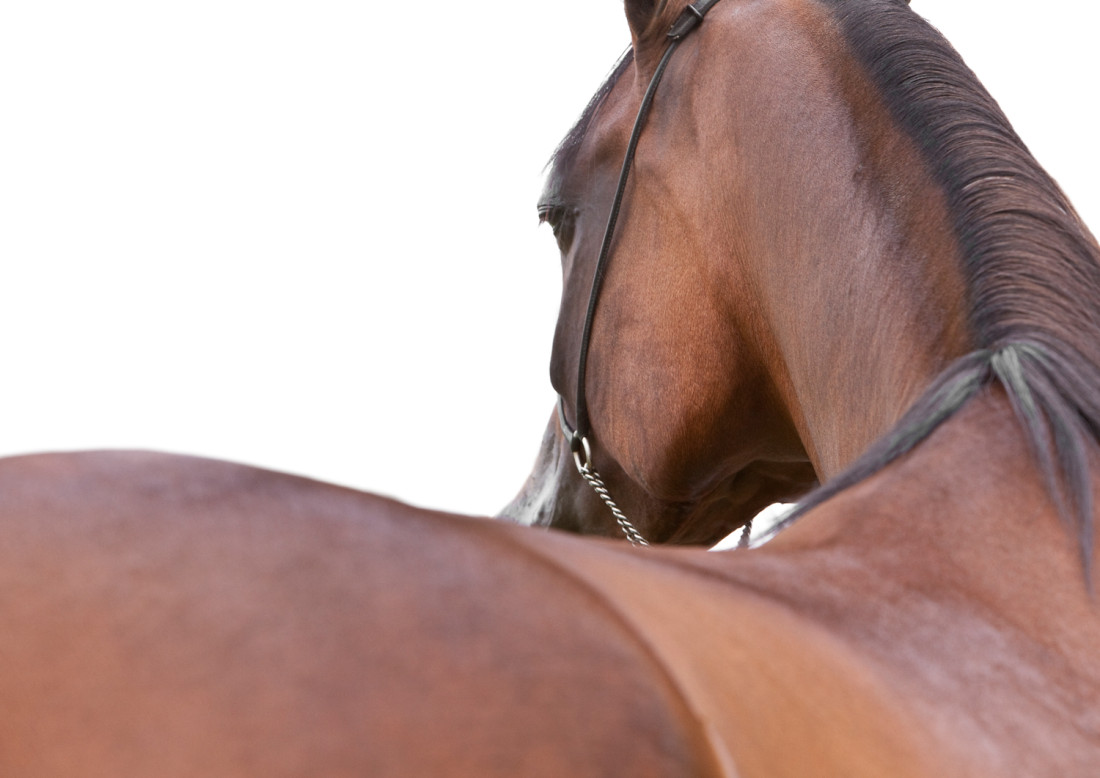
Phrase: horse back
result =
(171, 616)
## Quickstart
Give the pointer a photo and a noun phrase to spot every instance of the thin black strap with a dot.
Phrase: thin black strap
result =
(609, 234)
(688, 20)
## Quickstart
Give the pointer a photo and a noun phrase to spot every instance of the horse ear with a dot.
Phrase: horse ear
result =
(641, 14)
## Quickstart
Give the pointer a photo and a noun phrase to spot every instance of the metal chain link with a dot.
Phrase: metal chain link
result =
(746, 535)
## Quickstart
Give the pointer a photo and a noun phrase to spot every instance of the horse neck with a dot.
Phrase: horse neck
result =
(860, 299)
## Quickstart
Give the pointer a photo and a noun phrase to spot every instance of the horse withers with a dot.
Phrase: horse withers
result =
(884, 288)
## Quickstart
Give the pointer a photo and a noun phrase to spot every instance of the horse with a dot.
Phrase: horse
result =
(891, 290)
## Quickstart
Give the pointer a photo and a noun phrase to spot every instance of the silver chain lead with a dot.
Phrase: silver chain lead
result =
(582, 457)
(594, 480)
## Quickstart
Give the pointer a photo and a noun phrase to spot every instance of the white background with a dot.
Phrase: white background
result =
(302, 234)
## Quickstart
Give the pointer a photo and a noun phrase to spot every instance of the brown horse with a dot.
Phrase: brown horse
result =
(832, 218)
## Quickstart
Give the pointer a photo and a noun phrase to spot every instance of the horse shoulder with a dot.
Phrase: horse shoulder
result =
(779, 691)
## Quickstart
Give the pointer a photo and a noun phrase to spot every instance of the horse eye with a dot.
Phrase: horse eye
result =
(560, 219)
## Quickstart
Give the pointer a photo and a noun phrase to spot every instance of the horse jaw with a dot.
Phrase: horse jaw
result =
(556, 497)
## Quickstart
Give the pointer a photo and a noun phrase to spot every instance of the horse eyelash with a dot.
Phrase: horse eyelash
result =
(557, 216)
(549, 212)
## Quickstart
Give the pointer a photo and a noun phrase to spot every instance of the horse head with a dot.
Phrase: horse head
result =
(699, 399)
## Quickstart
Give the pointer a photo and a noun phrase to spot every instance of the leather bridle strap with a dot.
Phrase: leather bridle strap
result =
(579, 444)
